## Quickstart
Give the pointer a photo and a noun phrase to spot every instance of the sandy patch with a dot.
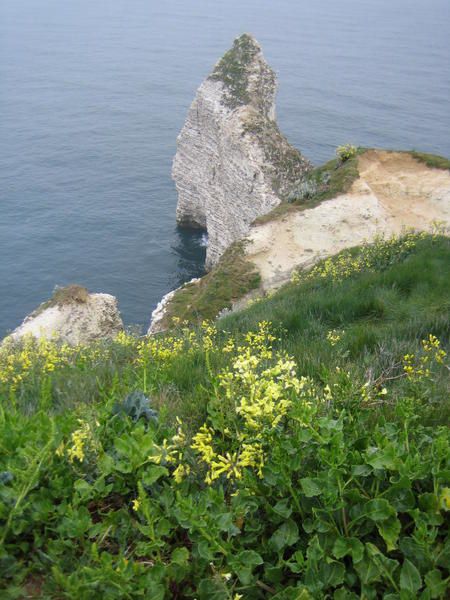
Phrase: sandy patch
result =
(394, 192)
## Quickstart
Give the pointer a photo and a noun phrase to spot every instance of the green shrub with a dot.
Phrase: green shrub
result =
(346, 152)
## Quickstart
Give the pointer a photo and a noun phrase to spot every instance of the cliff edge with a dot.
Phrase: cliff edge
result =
(393, 192)
(339, 205)
(232, 162)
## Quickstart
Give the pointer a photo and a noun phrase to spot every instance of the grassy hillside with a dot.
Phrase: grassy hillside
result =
(299, 449)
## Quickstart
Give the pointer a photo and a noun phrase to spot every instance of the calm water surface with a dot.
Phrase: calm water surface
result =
(94, 92)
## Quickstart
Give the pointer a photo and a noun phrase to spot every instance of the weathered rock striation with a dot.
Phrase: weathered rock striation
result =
(73, 316)
(232, 163)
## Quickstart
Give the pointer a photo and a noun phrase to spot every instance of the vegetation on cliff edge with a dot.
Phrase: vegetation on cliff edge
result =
(232, 70)
(307, 458)
(229, 280)
(321, 183)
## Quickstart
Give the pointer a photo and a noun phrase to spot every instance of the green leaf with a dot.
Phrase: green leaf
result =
(379, 509)
(226, 523)
(244, 574)
(153, 473)
(209, 589)
(429, 503)
(292, 593)
(384, 459)
(156, 591)
(345, 594)
(389, 531)
(361, 470)
(283, 508)
(243, 565)
(331, 574)
(310, 487)
(435, 586)
(417, 551)
(204, 550)
(180, 556)
(348, 546)
(400, 496)
(286, 535)
(410, 579)
(250, 557)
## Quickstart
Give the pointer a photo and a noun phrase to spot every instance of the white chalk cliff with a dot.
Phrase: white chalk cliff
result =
(79, 319)
(232, 163)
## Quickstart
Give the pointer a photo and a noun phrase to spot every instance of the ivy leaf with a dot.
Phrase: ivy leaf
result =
(310, 487)
(410, 579)
(286, 535)
(389, 531)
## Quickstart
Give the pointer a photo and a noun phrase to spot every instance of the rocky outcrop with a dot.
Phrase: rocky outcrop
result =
(73, 316)
(232, 163)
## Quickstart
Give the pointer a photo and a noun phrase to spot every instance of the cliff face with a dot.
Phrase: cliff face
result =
(78, 320)
(232, 163)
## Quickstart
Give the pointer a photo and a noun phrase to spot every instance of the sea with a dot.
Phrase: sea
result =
(93, 94)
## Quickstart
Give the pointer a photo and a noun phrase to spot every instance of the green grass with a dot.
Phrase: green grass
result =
(63, 296)
(382, 313)
(433, 161)
(229, 280)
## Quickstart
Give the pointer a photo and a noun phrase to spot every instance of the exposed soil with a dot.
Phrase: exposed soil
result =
(394, 192)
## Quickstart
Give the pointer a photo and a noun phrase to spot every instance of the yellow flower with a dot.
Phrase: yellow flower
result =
(79, 439)
(333, 337)
(203, 443)
(166, 452)
(136, 504)
(181, 472)
(60, 449)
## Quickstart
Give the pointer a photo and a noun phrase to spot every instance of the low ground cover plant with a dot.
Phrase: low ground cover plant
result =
(346, 152)
(297, 450)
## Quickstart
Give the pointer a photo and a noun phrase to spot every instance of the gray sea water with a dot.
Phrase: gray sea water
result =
(94, 92)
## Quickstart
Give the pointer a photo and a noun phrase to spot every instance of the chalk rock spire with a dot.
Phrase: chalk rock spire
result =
(232, 162)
